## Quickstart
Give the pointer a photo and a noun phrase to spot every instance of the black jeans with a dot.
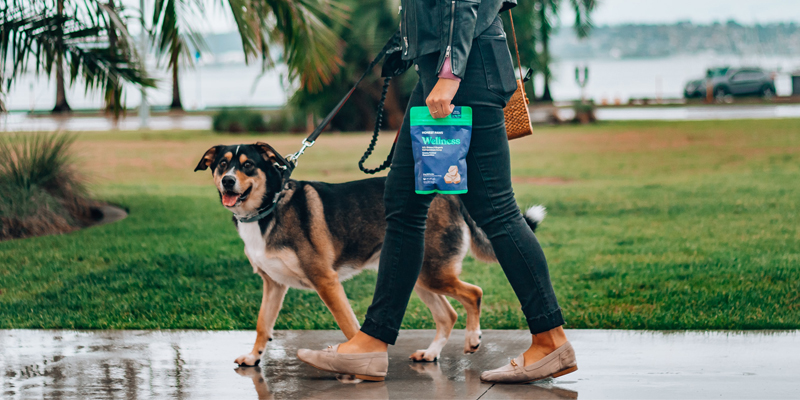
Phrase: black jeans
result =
(487, 85)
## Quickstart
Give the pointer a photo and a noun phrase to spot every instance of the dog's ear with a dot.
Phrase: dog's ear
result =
(208, 158)
(266, 151)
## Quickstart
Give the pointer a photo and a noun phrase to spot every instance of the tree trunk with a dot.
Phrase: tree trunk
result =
(176, 87)
(545, 38)
(61, 96)
(111, 87)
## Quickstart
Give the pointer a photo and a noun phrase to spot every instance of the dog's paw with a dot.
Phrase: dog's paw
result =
(248, 360)
(472, 341)
(425, 355)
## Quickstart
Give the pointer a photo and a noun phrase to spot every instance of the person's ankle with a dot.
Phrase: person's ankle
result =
(551, 339)
(362, 343)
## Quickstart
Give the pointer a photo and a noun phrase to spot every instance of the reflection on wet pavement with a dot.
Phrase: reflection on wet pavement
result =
(199, 364)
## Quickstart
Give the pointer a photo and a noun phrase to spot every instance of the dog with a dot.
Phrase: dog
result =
(314, 235)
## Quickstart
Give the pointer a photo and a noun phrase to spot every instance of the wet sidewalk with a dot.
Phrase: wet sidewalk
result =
(199, 364)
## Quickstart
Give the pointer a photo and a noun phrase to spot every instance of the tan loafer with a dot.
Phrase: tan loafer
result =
(366, 366)
(560, 362)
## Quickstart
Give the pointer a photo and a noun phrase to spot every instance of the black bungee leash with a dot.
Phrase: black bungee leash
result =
(393, 66)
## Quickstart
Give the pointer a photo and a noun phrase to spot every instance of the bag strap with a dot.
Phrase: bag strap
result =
(516, 48)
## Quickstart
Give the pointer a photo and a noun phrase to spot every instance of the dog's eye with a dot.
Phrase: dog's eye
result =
(247, 165)
(223, 164)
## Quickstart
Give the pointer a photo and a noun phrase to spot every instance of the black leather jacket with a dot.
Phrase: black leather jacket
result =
(446, 26)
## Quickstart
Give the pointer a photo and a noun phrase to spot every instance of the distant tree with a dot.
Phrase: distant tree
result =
(47, 34)
(173, 36)
(535, 21)
(310, 48)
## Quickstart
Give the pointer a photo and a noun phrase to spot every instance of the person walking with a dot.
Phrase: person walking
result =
(460, 53)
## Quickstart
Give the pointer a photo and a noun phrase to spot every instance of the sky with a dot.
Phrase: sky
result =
(747, 12)
(608, 12)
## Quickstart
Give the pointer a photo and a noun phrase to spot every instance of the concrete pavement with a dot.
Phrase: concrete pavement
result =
(199, 364)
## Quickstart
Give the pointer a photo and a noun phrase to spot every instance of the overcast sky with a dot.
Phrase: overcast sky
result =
(613, 12)
(698, 11)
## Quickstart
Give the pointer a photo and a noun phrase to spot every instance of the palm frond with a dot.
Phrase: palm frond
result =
(310, 47)
(33, 34)
(583, 16)
(175, 31)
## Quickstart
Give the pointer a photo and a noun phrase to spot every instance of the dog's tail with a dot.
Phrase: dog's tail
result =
(481, 246)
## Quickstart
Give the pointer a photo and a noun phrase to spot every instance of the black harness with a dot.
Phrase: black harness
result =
(393, 66)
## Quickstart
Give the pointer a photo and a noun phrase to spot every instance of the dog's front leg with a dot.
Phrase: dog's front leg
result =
(331, 292)
(271, 302)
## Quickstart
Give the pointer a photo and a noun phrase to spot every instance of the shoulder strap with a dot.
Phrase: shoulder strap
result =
(516, 48)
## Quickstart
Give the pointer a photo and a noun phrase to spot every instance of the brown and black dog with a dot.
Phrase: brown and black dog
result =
(320, 234)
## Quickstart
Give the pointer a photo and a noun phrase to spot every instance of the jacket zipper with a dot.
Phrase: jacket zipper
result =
(450, 39)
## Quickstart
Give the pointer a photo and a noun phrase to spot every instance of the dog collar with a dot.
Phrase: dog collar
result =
(258, 216)
(266, 211)
(287, 168)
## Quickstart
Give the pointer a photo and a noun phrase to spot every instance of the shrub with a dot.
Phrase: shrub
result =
(584, 111)
(239, 121)
(42, 194)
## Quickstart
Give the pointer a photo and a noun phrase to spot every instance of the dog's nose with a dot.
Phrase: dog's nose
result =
(228, 182)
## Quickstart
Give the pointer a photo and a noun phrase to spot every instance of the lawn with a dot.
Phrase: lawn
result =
(651, 225)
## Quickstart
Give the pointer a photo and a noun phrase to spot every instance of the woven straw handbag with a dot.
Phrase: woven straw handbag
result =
(518, 118)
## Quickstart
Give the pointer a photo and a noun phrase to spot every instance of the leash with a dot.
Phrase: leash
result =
(378, 121)
(393, 66)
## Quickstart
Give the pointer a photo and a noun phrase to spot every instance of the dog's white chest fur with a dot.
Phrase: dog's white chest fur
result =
(282, 266)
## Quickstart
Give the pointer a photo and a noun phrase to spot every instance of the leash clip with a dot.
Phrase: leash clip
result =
(293, 157)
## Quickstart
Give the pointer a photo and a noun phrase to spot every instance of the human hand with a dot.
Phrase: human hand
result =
(441, 96)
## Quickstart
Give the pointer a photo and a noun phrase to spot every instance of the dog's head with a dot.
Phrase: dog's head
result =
(247, 176)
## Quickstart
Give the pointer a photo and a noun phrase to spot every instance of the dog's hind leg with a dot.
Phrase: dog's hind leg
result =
(332, 293)
(470, 297)
(447, 283)
(445, 317)
(271, 302)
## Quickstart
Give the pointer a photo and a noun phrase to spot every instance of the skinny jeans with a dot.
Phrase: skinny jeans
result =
(487, 86)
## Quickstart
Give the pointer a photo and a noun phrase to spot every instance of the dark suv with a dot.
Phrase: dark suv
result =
(728, 82)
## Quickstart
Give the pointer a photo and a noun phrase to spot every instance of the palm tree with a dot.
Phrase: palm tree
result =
(61, 96)
(47, 34)
(309, 46)
(173, 33)
(538, 19)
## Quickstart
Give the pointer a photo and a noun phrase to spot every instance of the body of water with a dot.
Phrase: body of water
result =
(242, 85)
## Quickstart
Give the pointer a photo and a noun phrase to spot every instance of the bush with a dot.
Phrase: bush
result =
(42, 194)
(584, 112)
(239, 121)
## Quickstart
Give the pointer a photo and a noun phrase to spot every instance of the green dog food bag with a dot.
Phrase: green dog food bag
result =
(440, 148)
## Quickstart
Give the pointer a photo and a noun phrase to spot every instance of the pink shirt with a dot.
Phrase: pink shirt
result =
(447, 71)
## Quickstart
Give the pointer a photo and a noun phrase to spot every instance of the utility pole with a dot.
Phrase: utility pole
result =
(144, 108)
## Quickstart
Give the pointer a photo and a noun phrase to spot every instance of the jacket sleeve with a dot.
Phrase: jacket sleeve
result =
(459, 22)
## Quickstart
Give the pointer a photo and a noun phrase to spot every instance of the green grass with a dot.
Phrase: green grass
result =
(651, 225)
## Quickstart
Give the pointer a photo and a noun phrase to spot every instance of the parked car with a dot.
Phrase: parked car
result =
(727, 82)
